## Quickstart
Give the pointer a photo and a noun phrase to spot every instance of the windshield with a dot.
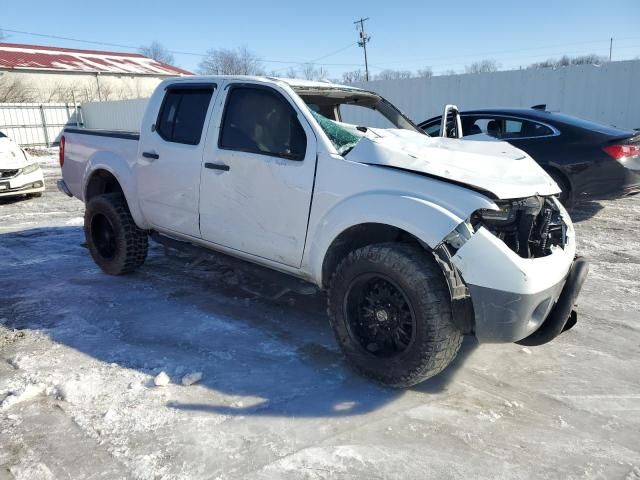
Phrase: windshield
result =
(346, 113)
(341, 138)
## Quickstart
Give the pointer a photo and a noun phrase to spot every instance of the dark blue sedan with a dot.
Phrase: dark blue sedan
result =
(587, 160)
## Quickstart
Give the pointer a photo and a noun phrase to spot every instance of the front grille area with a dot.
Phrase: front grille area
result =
(528, 226)
(8, 173)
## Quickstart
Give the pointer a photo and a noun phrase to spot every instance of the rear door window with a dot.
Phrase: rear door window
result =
(182, 114)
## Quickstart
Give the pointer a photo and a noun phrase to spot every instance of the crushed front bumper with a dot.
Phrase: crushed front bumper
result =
(528, 319)
(562, 316)
(513, 297)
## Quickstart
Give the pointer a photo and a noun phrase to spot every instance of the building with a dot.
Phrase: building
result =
(33, 73)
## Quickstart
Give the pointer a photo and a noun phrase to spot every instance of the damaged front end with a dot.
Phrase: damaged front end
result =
(531, 226)
(512, 271)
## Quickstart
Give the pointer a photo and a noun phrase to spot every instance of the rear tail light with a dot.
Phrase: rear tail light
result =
(620, 152)
(61, 151)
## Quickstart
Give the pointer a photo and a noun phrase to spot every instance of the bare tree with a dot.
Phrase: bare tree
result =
(394, 74)
(157, 51)
(564, 61)
(426, 72)
(290, 73)
(222, 61)
(353, 77)
(15, 90)
(310, 72)
(544, 64)
(591, 59)
(483, 66)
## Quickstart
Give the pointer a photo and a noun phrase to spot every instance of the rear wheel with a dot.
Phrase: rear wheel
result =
(116, 243)
(390, 310)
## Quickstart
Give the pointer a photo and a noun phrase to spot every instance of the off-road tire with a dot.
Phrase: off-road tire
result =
(130, 242)
(436, 339)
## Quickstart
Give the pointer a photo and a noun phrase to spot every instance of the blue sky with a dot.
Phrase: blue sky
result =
(405, 35)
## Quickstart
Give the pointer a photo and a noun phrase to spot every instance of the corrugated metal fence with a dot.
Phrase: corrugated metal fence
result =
(35, 124)
(605, 94)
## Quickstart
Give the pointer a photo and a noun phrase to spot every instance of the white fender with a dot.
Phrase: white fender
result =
(424, 219)
(124, 173)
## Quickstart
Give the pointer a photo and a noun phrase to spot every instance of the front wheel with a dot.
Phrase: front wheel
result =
(116, 243)
(390, 310)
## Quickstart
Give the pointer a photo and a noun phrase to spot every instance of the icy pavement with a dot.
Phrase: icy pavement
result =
(79, 353)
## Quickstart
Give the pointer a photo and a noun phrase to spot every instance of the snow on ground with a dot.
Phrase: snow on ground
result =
(79, 352)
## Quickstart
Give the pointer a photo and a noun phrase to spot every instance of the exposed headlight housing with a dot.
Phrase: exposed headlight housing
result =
(529, 226)
(31, 168)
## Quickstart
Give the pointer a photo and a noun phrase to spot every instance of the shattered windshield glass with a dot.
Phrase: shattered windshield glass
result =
(342, 139)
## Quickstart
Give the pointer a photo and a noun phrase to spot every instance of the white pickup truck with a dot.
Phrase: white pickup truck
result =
(418, 240)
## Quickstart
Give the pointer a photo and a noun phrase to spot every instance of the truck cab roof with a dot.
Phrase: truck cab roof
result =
(294, 83)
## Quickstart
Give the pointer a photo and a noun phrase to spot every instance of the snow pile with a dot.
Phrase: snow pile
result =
(28, 392)
(191, 378)
(161, 380)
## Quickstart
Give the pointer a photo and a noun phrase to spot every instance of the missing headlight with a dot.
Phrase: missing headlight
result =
(528, 226)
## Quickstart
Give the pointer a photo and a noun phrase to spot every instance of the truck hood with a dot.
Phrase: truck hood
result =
(492, 166)
(11, 156)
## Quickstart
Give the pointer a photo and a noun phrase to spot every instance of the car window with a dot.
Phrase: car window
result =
(433, 130)
(2, 135)
(182, 114)
(524, 129)
(260, 120)
(504, 128)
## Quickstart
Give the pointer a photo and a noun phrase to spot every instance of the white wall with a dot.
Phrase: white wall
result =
(607, 94)
(46, 87)
(123, 115)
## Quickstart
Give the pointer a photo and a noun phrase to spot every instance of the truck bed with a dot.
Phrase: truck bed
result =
(105, 133)
(99, 146)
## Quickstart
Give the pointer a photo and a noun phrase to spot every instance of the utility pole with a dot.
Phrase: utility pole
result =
(610, 48)
(364, 39)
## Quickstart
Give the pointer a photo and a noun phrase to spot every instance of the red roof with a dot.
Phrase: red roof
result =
(37, 57)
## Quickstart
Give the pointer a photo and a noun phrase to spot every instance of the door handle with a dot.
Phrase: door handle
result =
(153, 156)
(217, 166)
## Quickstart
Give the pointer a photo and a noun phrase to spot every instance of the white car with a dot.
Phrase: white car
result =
(20, 174)
(418, 240)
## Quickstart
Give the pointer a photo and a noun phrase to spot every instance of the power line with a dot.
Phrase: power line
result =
(177, 52)
(488, 54)
(517, 58)
(315, 60)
